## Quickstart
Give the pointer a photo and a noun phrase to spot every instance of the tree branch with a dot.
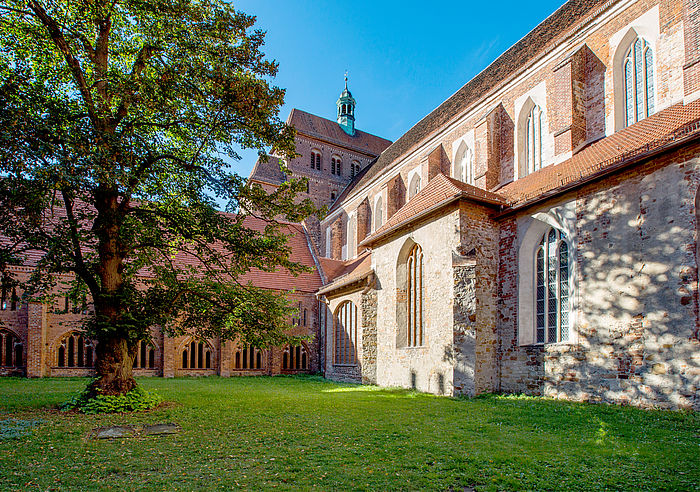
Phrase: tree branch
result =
(73, 63)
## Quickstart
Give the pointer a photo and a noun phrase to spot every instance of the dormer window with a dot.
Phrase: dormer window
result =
(638, 73)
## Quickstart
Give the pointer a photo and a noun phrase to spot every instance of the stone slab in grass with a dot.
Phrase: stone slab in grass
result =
(113, 432)
(122, 431)
(159, 429)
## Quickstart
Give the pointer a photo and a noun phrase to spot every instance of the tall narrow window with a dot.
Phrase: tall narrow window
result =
(295, 358)
(462, 167)
(552, 303)
(354, 168)
(533, 140)
(378, 214)
(336, 166)
(248, 358)
(345, 334)
(315, 160)
(10, 349)
(145, 355)
(414, 297)
(74, 350)
(638, 71)
(5, 292)
(414, 186)
(197, 355)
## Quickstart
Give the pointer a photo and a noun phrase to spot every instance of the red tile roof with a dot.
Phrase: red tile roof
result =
(665, 128)
(440, 191)
(352, 271)
(330, 131)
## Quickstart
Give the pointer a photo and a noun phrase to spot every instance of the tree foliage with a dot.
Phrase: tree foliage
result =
(117, 122)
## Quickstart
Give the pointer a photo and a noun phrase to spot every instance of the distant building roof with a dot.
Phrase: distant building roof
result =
(268, 172)
(324, 129)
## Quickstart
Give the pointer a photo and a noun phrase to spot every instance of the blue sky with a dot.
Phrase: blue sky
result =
(404, 58)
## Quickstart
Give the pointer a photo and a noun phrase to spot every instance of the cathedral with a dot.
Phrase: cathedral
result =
(536, 233)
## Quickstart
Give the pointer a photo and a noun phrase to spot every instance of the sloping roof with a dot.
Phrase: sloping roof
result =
(440, 191)
(330, 131)
(537, 42)
(352, 271)
(651, 134)
(268, 172)
(331, 268)
(281, 278)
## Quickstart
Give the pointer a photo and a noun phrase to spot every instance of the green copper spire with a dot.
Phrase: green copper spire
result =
(346, 110)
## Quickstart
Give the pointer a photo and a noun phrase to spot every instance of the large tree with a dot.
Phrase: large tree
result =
(117, 120)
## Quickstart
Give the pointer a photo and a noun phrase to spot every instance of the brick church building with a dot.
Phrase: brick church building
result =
(536, 233)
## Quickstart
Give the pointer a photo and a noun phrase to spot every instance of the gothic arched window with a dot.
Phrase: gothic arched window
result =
(145, 355)
(75, 350)
(638, 74)
(197, 355)
(345, 334)
(248, 358)
(10, 349)
(552, 299)
(533, 140)
(462, 168)
(295, 358)
(315, 160)
(414, 296)
(378, 214)
(414, 186)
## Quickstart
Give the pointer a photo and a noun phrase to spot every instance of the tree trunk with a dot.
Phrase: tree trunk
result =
(114, 368)
(114, 363)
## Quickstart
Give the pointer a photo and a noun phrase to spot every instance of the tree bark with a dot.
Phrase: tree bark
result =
(114, 361)
(114, 368)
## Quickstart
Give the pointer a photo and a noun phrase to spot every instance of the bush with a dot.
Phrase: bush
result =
(135, 400)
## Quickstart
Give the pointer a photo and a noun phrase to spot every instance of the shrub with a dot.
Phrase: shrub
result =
(135, 400)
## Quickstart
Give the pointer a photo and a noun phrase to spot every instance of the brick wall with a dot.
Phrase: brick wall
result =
(691, 34)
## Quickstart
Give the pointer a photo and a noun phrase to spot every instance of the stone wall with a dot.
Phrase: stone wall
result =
(464, 310)
(369, 337)
(635, 335)
(427, 367)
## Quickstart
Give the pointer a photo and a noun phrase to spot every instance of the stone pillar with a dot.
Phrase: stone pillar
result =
(225, 354)
(396, 196)
(691, 33)
(37, 351)
(566, 102)
(338, 240)
(489, 142)
(437, 163)
(170, 358)
(364, 225)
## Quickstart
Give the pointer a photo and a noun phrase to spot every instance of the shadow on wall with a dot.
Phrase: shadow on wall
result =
(637, 318)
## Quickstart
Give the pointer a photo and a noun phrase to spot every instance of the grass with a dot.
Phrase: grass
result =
(308, 433)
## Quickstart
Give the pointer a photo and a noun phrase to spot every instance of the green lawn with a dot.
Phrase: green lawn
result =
(303, 433)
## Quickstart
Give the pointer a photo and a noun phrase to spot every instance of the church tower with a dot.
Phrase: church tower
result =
(346, 110)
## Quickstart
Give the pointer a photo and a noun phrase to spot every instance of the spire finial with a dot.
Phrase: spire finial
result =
(346, 80)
